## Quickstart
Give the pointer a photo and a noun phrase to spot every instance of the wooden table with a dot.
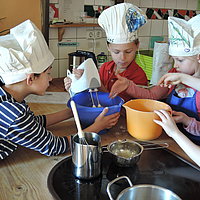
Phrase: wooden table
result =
(23, 175)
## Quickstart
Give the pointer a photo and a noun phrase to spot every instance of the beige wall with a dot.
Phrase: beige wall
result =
(17, 11)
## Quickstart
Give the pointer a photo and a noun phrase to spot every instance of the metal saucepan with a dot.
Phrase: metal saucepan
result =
(86, 158)
(126, 153)
(142, 192)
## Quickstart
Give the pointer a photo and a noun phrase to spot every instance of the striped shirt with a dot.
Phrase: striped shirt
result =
(19, 126)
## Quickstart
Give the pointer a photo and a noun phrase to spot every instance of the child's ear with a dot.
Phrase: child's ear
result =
(29, 79)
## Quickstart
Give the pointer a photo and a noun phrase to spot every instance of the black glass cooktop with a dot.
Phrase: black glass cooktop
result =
(159, 167)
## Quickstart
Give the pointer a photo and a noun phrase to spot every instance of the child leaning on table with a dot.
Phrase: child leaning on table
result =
(25, 62)
(169, 123)
(184, 47)
(170, 79)
(120, 23)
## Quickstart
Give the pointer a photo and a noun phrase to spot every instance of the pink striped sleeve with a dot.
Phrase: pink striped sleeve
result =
(155, 92)
(193, 127)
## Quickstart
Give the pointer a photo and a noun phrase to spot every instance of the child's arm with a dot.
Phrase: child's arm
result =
(169, 125)
(57, 117)
(175, 78)
(193, 127)
(123, 84)
(180, 117)
(103, 122)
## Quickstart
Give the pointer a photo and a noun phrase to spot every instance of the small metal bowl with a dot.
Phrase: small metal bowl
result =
(126, 153)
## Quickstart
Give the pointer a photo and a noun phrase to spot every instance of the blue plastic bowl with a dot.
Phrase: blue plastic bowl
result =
(87, 113)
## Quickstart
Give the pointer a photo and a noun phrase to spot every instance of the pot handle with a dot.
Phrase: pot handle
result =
(115, 180)
(104, 149)
(151, 146)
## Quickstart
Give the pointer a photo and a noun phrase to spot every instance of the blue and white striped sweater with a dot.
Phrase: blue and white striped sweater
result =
(19, 126)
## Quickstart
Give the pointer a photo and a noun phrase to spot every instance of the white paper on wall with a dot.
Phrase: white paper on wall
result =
(71, 10)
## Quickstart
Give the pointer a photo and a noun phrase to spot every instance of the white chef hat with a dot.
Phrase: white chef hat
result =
(121, 22)
(22, 52)
(184, 36)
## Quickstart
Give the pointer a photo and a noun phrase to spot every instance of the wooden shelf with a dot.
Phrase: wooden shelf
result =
(73, 25)
(61, 27)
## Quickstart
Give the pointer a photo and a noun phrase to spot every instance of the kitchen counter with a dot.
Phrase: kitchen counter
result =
(24, 174)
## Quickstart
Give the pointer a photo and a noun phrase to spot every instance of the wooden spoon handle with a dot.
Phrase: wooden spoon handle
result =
(76, 117)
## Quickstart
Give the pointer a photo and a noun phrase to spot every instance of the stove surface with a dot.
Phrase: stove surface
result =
(159, 167)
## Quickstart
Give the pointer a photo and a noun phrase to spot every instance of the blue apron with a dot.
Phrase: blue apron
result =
(188, 106)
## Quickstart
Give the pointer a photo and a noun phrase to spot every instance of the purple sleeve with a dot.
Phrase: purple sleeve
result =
(193, 127)
(155, 92)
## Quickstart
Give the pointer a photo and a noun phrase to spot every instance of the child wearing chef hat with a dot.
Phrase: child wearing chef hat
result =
(25, 66)
(191, 124)
(120, 23)
(184, 47)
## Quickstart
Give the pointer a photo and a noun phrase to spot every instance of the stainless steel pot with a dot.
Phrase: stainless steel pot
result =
(126, 153)
(142, 192)
(86, 159)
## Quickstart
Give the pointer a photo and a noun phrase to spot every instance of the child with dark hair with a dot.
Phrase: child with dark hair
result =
(25, 67)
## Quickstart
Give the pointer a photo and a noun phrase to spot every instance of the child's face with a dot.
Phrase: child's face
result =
(123, 54)
(43, 81)
(187, 65)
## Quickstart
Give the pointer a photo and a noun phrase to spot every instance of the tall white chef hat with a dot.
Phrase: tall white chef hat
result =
(22, 52)
(184, 36)
(121, 22)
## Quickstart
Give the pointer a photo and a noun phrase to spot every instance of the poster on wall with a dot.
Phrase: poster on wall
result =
(71, 10)
(76, 11)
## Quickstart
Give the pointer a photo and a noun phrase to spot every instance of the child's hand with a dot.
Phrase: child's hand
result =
(67, 83)
(78, 73)
(166, 122)
(106, 122)
(119, 86)
(180, 117)
(170, 79)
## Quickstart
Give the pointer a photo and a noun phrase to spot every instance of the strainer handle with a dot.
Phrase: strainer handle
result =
(162, 145)
(115, 180)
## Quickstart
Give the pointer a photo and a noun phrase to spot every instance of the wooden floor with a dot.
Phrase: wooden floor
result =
(57, 85)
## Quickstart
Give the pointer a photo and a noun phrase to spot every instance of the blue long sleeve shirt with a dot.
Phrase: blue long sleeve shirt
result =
(19, 126)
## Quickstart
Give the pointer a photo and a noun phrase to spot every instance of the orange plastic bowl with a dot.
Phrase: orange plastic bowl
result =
(140, 115)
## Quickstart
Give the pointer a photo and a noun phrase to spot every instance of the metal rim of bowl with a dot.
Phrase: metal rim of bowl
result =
(148, 186)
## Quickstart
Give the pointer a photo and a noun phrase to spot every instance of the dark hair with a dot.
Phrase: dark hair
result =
(1, 83)
(36, 74)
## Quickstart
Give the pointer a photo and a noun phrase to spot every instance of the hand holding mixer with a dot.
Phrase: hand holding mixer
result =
(89, 80)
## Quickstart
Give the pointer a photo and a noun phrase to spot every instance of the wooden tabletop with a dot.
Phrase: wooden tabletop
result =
(23, 175)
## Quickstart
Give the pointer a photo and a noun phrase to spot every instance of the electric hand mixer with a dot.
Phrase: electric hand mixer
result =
(89, 80)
